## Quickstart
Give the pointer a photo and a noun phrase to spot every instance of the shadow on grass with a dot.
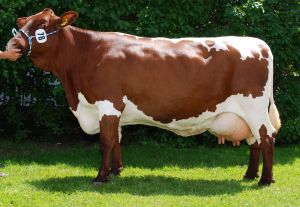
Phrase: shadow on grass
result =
(142, 186)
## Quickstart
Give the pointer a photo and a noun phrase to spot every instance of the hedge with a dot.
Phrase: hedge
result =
(33, 106)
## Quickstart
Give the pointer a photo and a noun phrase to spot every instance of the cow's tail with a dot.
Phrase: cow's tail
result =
(273, 112)
(274, 116)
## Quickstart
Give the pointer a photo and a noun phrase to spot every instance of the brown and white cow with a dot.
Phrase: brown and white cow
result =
(188, 85)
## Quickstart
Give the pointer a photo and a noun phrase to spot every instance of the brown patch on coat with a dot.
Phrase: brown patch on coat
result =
(265, 138)
(264, 51)
(263, 133)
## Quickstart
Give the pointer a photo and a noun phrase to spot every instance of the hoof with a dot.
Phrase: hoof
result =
(100, 181)
(266, 182)
(250, 177)
(116, 171)
(263, 184)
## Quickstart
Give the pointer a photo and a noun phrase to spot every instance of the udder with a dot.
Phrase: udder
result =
(231, 127)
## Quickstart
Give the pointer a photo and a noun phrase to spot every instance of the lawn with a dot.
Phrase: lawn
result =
(57, 175)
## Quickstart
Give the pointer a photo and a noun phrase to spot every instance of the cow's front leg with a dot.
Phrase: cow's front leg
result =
(108, 139)
(116, 163)
(267, 148)
(252, 171)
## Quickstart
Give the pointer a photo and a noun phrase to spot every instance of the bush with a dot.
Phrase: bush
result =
(32, 106)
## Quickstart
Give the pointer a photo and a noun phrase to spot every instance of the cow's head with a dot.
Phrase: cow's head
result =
(39, 33)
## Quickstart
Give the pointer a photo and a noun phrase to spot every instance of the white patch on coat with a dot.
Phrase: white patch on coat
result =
(246, 46)
(106, 108)
(87, 115)
(90, 115)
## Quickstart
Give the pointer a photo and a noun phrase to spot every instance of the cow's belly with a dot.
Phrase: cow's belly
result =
(220, 123)
(229, 125)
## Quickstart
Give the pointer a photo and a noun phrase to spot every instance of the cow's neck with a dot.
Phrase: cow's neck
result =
(68, 58)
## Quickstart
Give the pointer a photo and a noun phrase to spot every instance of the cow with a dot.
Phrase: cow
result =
(223, 85)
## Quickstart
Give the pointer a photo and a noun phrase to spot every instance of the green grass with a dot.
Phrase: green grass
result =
(49, 175)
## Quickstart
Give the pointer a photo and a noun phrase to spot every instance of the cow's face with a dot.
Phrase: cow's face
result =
(39, 33)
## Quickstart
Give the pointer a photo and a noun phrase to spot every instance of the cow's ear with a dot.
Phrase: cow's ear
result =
(67, 18)
(21, 22)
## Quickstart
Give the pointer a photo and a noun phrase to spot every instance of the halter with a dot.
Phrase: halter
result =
(15, 32)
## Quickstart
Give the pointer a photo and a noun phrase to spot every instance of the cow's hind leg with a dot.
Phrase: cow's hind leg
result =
(108, 139)
(264, 133)
(267, 148)
(252, 171)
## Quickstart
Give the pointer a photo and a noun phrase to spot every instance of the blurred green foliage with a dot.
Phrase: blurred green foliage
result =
(48, 116)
